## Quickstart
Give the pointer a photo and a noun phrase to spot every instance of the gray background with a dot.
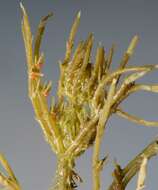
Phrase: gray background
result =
(111, 21)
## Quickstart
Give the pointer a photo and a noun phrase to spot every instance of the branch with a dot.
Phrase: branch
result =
(130, 79)
(136, 119)
(104, 115)
(142, 174)
(133, 166)
(108, 78)
(37, 91)
(131, 88)
(127, 55)
(145, 87)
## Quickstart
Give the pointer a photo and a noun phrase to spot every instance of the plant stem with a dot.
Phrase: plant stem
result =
(64, 175)
(104, 115)
(133, 166)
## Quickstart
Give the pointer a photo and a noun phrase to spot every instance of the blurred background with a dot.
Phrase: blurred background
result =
(111, 21)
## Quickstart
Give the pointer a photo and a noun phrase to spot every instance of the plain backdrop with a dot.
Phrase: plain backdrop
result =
(111, 21)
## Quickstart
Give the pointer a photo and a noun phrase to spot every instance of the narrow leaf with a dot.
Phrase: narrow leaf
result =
(39, 34)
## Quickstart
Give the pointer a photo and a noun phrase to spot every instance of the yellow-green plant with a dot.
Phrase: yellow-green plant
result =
(88, 95)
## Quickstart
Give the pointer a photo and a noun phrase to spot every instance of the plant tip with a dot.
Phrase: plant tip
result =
(79, 14)
(22, 8)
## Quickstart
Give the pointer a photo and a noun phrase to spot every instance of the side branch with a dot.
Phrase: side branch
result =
(104, 115)
(38, 92)
(133, 166)
(136, 119)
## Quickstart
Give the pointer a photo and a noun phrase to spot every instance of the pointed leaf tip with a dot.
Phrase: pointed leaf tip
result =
(132, 45)
(22, 8)
(79, 14)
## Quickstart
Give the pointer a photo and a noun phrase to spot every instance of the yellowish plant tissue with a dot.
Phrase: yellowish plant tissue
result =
(89, 92)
